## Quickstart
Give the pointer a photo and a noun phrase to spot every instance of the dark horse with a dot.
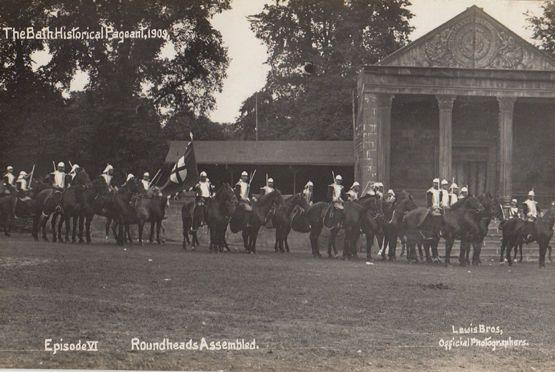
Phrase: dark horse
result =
(219, 210)
(355, 219)
(282, 219)
(250, 218)
(540, 230)
(355, 216)
(8, 201)
(193, 216)
(45, 202)
(80, 203)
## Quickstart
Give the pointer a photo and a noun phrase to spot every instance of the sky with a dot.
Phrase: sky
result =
(247, 69)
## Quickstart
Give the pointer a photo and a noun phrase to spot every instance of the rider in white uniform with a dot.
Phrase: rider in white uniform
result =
(269, 187)
(352, 194)
(308, 192)
(531, 210)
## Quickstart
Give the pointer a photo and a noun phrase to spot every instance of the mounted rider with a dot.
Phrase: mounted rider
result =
(108, 175)
(9, 178)
(453, 194)
(390, 196)
(514, 211)
(145, 181)
(269, 187)
(530, 208)
(444, 198)
(242, 188)
(464, 193)
(203, 189)
(58, 178)
(353, 192)
(308, 192)
(433, 198)
(378, 189)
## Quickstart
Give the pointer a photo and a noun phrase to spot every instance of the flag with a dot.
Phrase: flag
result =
(184, 173)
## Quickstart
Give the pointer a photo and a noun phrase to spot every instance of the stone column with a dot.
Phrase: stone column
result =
(384, 139)
(372, 138)
(506, 109)
(445, 105)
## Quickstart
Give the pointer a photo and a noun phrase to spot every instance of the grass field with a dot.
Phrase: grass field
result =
(305, 313)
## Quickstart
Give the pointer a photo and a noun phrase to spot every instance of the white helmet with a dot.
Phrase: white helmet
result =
(370, 192)
(270, 180)
(355, 184)
(339, 178)
(22, 174)
(390, 192)
(514, 201)
(531, 193)
(108, 168)
(444, 182)
(74, 167)
(9, 168)
(203, 174)
(309, 183)
(436, 180)
(130, 176)
(244, 173)
(378, 184)
(146, 174)
(61, 164)
(464, 189)
(454, 186)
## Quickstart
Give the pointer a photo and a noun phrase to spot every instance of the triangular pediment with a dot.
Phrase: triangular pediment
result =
(472, 39)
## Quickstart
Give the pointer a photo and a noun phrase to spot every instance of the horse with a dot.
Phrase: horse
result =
(354, 214)
(193, 216)
(219, 210)
(150, 207)
(372, 225)
(484, 217)
(540, 231)
(462, 221)
(8, 201)
(123, 210)
(249, 219)
(282, 219)
(512, 236)
(45, 203)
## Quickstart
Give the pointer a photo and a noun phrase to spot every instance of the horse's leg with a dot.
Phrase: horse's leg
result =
(520, 251)
(502, 248)
(462, 253)
(36, 219)
(53, 226)
(543, 249)
(254, 236)
(420, 252)
(549, 254)
(81, 227)
(107, 226)
(276, 244)
(434, 245)
(286, 243)
(448, 246)
(314, 234)
(141, 226)
(245, 236)
(158, 228)
(42, 224)
(392, 246)
(152, 226)
(427, 252)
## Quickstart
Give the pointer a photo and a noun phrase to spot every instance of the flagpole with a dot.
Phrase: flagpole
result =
(256, 115)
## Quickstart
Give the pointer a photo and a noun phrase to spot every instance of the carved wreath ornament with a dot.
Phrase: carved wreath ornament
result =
(474, 43)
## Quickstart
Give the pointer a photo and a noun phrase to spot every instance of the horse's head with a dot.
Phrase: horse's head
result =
(300, 200)
(131, 186)
(269, 200)
(473, 203)
(404, 203)
(226, 197)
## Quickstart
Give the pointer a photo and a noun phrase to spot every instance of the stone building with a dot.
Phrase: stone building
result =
(470, 101)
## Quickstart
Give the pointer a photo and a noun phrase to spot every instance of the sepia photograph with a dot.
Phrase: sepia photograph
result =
(277, 185)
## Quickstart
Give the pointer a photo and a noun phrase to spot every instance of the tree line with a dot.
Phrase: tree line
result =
(137, 97)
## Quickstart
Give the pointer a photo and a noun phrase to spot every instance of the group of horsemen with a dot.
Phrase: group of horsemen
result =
(440, 197)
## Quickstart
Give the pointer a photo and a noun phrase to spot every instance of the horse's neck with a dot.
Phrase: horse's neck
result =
(290, 204)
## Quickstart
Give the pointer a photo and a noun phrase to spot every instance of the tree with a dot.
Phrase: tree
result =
(338, 37)
(543, 27)
(131, 80)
